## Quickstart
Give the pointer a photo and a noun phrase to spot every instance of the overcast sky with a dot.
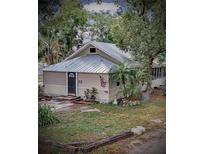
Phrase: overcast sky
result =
(106, 5)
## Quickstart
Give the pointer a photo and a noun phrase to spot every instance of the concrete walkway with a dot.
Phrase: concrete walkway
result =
(59, 106)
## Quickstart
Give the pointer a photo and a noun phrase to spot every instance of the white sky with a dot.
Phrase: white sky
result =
(103, 6)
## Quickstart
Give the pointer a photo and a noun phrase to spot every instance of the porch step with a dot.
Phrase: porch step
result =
(80, 102)
(78, 99)
(68, 98)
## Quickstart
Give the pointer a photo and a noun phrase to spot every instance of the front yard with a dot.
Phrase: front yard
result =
(112, 120)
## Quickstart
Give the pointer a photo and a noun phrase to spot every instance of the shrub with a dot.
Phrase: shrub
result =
(134, 91)
(91, 93)
(46, 116)
(87, 93)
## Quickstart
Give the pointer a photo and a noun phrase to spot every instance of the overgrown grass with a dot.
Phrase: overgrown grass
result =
(77, 126)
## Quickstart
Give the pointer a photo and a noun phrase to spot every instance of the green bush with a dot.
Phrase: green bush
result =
(46, 116)
(87, 93)
(91, 93)
(134, 91)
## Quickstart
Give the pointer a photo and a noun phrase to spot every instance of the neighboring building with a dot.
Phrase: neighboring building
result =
(158, 74)
(90, 66)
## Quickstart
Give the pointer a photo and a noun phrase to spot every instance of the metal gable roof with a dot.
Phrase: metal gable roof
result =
(84, 64)
(112, 50)
(108, 48)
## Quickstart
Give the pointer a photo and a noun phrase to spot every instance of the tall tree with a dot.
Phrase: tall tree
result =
(142, 30)
(101, 30)
(65, 24)
(46, 10)
(49, 47)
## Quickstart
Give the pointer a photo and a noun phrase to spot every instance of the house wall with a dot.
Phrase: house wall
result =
(114, 90)
(89, 80)
(158, 82)
(54, 83)
(87, 51)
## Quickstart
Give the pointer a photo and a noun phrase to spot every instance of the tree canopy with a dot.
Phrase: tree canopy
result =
(101, 29)
(142, 30)
(46, 10)
(61, 29)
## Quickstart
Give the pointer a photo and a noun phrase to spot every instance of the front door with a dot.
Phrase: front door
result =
(71, 83)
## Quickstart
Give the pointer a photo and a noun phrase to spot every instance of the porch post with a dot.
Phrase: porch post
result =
(76, 87)
(66, 82)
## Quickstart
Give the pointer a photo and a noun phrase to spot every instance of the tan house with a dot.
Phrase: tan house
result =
(90, 66)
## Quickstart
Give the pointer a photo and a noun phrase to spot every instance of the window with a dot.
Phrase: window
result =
(157, 73)
(118, 84)
(78, 46)
(71, 75)
(92, 50)
(164, 73)
(153, 73)
(160, 72)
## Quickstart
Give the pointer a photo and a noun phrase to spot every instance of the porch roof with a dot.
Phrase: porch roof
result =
(84, 64)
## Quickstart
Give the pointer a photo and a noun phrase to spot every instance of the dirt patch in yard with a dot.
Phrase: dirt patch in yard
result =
(157, 95)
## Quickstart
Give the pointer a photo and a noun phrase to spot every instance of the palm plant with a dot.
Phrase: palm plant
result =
(134, 85)
(134, 91)
(121, 74)
(137, 76)
(131, 80)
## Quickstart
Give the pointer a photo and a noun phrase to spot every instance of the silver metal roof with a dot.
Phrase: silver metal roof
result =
(111, 50)
(91, 63)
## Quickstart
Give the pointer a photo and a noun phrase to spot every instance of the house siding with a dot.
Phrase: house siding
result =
(159, 82)
(54, 83)
(89, 80)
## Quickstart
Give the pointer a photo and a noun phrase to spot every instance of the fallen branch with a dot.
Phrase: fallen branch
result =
(106, 141)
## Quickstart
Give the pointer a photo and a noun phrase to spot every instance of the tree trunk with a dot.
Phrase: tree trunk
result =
(149, 78)
(125, 91)
(49, 58)
(124, 88)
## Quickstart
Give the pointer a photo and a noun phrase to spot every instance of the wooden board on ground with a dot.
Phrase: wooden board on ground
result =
(66, 147)
(75, 146)
(106, 141)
